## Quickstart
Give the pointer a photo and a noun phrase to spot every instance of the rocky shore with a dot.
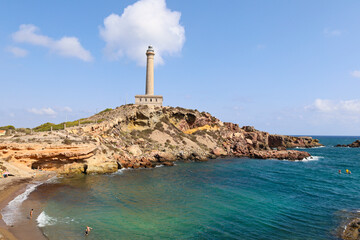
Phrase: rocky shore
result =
(134, 136)
(355, 144)
(352, 230)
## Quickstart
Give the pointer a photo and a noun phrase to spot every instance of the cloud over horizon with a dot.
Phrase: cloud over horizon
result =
(355, 74)
(17, 52)
(332, 106)
(144, 23)
(332, 32)
(66, 46)
(43, 111)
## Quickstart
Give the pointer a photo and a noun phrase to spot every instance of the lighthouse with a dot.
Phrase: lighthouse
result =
(149, 98)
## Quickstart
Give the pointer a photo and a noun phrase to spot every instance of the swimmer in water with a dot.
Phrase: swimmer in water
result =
(339, 171)
(31, 213)
(347, 171)
(87, 230)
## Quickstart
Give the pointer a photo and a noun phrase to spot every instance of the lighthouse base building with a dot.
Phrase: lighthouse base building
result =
(148, 100)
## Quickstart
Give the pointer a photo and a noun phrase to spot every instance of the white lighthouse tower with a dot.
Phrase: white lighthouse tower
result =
(149, 98)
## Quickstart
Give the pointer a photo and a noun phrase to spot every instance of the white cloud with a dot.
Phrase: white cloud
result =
(67, 109)
(332, 32)
(260, 46)
(66, 46)
(337, 107)
(146, 22)
(355, 74)
(43, 111)
(17, 52)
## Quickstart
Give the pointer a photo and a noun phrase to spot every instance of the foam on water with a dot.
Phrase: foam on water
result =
(311, 158)
(309, 148)
(54, 179)
(307, 159)
(120, 171)
(11, 213)
(45, 220)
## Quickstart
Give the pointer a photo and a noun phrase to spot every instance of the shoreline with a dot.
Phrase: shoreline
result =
(9, 191)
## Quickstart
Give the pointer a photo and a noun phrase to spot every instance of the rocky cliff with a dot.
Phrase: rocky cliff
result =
(133, 136)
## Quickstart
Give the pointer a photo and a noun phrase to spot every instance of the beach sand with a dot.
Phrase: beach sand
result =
(10, 188)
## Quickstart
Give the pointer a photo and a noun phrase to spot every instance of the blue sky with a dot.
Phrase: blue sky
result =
(286, 67)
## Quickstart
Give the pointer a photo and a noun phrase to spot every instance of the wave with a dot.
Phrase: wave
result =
(54, 179)
(312, 158)
(11, 212)
(45, 220)
(307, 159)
(310, 147)
(120, 171)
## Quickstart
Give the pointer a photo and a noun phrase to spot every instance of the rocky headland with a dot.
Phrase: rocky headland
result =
(133, 136)
(355, 144)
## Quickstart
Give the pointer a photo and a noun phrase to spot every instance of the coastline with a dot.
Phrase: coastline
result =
(9, 191)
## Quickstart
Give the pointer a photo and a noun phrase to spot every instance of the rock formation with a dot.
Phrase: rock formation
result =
(133, 136)
(352, 230)
(355, 144)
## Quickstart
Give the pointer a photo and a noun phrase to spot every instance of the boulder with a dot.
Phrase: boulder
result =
(219, 151)
(164, 156)
(102, 167)
(134, 150)
(73, 168)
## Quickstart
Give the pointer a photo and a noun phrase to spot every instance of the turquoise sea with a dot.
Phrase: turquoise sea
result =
(219, 199)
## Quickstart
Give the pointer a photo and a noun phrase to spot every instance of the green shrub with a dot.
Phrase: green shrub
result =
(67, 141)
(106, 110)
(9, 127)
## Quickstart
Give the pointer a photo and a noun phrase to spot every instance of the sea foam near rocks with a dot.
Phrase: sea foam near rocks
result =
(310, 147)
(11, 212)
(308, 159)
(45, 220)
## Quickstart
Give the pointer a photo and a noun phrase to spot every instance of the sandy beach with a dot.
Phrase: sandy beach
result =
(10, 188)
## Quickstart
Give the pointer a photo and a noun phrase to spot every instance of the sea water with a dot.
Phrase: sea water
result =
(236, 198)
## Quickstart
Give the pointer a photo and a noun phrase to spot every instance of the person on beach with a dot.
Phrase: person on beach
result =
(87, 230)
(31, 213)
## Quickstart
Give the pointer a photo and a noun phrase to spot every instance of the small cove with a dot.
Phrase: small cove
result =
(218, 199)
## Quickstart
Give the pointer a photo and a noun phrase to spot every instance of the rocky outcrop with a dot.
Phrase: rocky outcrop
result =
(281, 141)
(60, 158)
(143, 136)
(355, 144)
(352, 230)
(282, 154)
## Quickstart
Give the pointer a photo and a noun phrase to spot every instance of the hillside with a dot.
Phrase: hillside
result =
(134, 136)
